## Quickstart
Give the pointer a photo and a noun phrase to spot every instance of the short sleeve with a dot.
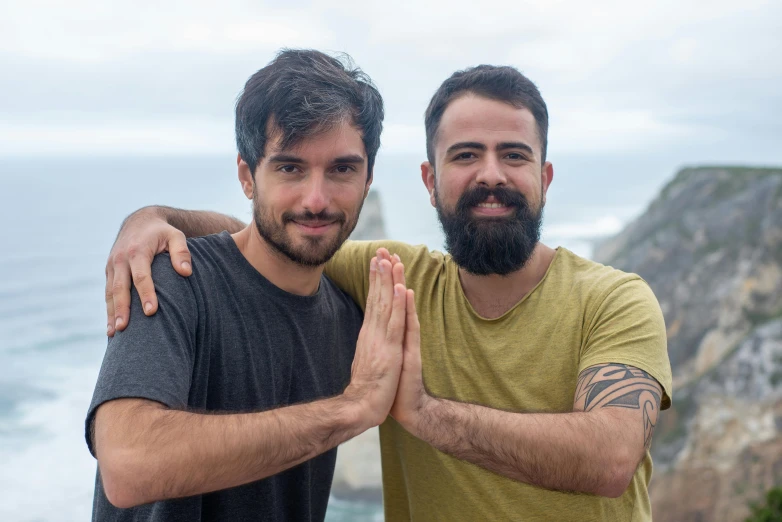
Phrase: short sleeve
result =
(153, 357)
(628, 328)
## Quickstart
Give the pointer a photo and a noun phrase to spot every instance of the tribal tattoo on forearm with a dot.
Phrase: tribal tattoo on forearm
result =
(621, 386)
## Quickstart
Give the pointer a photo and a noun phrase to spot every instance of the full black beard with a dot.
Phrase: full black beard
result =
(317, 251)
(490, 245)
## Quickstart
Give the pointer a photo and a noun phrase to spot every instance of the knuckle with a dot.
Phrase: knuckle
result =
(140, 278)
(135, 251)
(119, 259)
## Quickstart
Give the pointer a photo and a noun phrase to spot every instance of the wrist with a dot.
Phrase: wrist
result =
(145, 215)
(157, 212)
(421, 420)
(356, 411)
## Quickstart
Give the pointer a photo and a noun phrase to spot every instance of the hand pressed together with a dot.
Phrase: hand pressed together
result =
(412, 399)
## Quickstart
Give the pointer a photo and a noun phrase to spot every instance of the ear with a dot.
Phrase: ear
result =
(428, 177)
(245, 177)
(546, 177)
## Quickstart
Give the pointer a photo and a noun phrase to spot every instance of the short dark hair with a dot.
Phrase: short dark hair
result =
(304, 92)
(501, 83)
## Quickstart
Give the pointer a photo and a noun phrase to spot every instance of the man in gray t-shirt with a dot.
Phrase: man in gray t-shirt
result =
(227, 340)
(229, 402)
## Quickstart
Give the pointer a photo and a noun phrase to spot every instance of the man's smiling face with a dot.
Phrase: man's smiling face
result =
(488, 183)
(306, 199)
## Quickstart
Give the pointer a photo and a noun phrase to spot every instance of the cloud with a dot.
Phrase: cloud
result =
(617, 76)
(401, 138)
(603, 226)
(85, 31)
(168, 137)
(600, 130)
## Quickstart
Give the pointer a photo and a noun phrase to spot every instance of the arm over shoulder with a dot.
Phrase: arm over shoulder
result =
(153, 357)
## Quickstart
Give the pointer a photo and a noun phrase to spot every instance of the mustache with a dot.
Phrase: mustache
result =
(504, 196)
(306, 216)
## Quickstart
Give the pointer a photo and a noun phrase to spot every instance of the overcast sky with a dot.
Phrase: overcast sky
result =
(701, 80)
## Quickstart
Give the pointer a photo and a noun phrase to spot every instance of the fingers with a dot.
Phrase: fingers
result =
(385, 293)
(368, 326)
(141, 271)
(120, 290)
(372, 292)
(382, 253)
(395, 333)
(412, 326)
(180, 254)
(398, 271)
(109, 300)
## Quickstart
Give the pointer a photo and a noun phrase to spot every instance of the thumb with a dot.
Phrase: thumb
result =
(180, 254)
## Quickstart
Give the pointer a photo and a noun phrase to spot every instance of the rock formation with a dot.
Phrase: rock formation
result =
(710, 246)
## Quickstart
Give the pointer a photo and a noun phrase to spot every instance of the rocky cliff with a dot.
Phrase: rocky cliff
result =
(710, 247)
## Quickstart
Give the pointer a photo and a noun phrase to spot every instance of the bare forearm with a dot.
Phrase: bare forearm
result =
(161, 454)
(196, 223)
(576, 452)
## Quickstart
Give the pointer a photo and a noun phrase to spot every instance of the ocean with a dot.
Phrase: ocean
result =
(59, 217)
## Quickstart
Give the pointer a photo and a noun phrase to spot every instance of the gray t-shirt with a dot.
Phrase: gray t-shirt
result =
(226, 339)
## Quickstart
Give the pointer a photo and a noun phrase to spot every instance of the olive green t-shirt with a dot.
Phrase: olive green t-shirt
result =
(528, 360)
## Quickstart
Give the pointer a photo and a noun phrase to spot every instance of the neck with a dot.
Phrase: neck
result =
(493, 295)
(275, 266)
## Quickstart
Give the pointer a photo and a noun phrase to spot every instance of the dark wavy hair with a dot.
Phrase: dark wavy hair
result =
(304, 92)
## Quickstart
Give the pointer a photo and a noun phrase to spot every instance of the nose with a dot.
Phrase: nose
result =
(491, 173)
(316, 198)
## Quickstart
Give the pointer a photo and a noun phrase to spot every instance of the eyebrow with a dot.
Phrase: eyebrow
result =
(466, 145)
(514, 145)
(351, 159)
(480, 146)
(285, 158)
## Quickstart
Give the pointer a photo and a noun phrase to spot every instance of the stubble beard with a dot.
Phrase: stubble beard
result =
(316, 250)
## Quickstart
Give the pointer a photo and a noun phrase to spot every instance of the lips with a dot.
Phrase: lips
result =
(314, 224)
(491, 205)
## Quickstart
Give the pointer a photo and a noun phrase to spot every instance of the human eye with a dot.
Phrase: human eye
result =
(344, 169)
(516, 156)
(288, 169)
(465, 155)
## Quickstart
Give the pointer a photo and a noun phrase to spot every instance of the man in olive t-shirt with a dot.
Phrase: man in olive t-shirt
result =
(540, 374)
(582, 318)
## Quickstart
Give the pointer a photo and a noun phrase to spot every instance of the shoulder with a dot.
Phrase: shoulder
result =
(349, 267)
(595, 282)
(342, 304)
(211, 249)
(209, 256)
(363, 251)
